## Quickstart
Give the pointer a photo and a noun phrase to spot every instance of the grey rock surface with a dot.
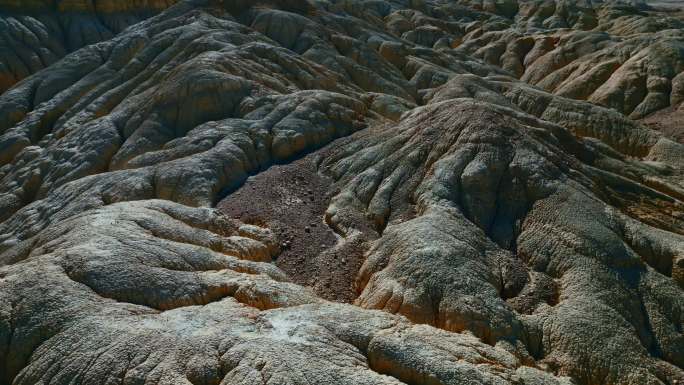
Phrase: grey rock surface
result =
(36, 34)
(519, 224)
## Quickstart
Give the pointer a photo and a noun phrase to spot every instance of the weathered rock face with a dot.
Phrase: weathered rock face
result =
(36, 34)
(510, 239)
(512, 222)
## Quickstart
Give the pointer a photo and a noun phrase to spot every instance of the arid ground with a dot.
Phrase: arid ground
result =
(341, 192)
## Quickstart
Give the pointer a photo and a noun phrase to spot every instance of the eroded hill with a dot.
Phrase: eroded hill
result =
(342, 192)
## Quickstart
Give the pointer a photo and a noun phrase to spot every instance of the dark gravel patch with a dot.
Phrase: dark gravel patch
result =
(291, 200)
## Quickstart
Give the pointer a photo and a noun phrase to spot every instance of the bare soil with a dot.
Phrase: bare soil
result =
(291, 200)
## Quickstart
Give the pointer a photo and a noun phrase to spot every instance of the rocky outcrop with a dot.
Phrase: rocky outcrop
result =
(510, 237)
(512, 222)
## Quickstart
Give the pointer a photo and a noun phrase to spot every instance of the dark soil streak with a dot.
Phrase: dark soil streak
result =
(291, 200)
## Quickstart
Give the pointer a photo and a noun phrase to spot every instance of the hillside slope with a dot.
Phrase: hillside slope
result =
(343, 192)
